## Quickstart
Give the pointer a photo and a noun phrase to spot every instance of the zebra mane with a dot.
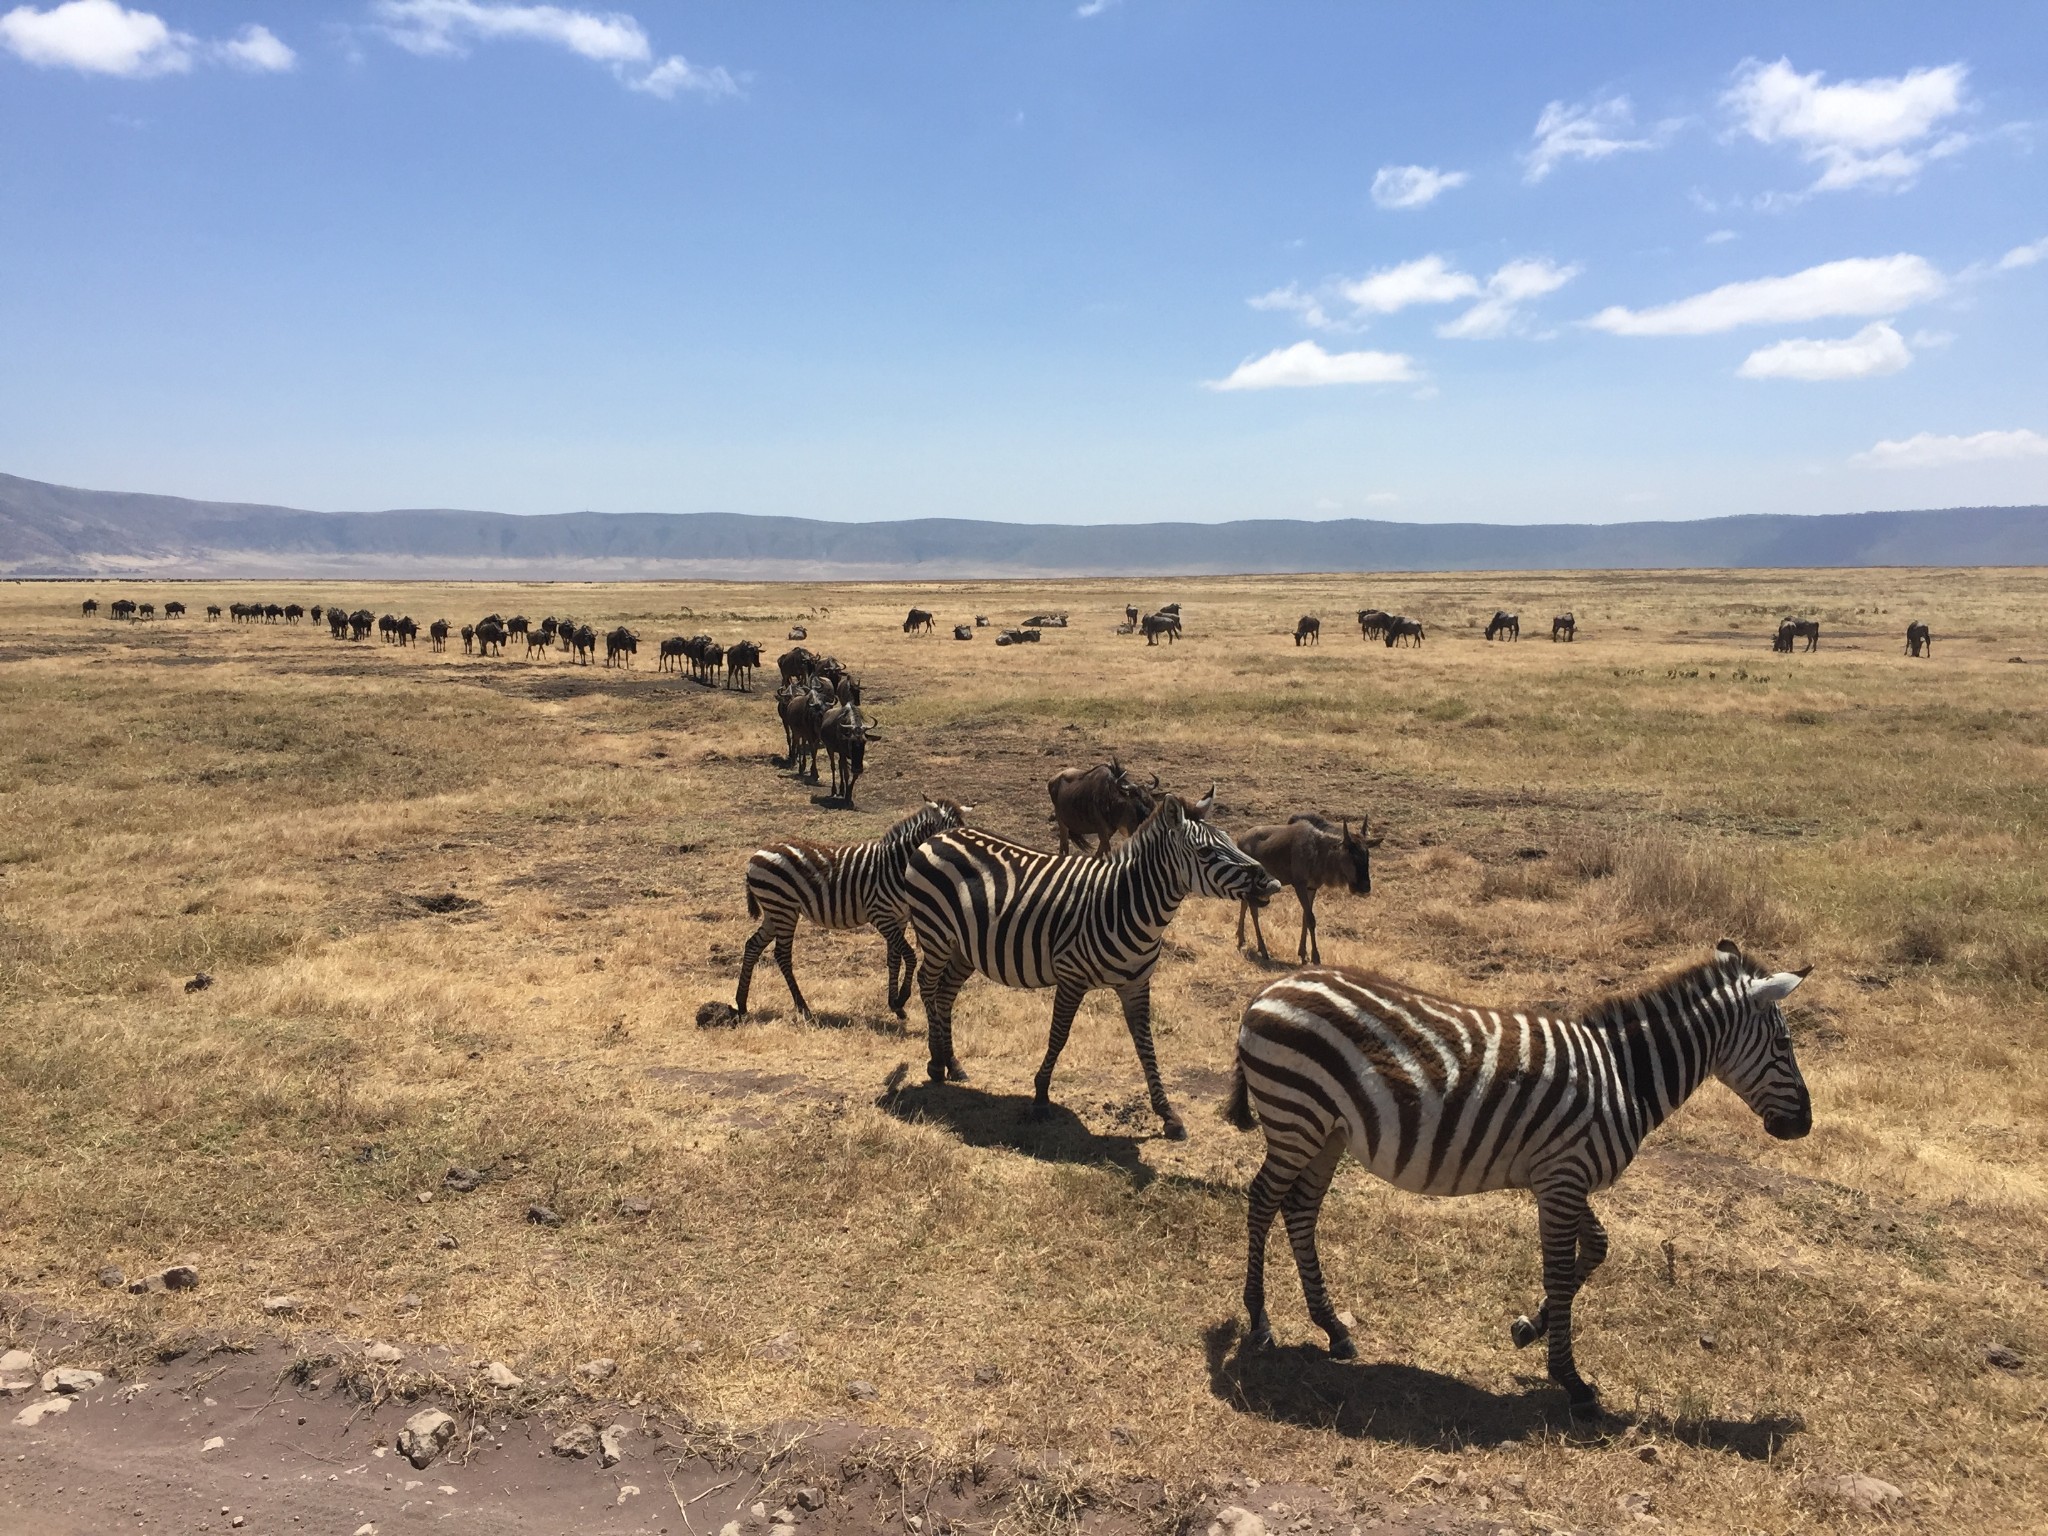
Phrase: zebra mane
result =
(1692, 984)
(1153, 828)
(920, 824)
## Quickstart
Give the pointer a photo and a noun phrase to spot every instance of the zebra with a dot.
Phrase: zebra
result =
(842, 885)
(1072, 923)
(1441, 1098)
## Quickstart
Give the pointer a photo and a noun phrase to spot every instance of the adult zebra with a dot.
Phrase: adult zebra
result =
(1440, 1098)
(846, 885)
(1070, 922)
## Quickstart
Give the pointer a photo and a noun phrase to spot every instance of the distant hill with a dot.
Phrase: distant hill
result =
(53, 530)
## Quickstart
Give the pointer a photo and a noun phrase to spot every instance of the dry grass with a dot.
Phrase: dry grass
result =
(285, 813)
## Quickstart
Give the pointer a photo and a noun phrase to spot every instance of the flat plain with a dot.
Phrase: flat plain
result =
(463, 912)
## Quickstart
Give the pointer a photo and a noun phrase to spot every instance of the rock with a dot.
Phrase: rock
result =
(500, 1375)
(409, 1302)
(383, 1354)
(67, 1382)
(716, 1016)
(238, 1522)
(1710, 1341)
(1865, 1495)
(17, 1371)
(446, 1240)
(1429, 1477)
(988, 1375)
(578, 1440)
(788, 1528)
(280, 1306)
(784, 1346)
(1123, 1434)
(36, 1412)
(2005, 1359)
(181, 1277)
(730, 1528)
(366, 1529)
(199, 983)
(598, 1370)
(112, 1278)
(611, 1445)
(636, 1205)
(862, 1391)
(425, 1436)
(1635, 1504)
(213, 1444)
(461, 1180)
(142, 1285)
(542, 1216)
(759, 1510)
(425, 1197)
(1235, 1520)
(1647, 1454)
(812, 1499)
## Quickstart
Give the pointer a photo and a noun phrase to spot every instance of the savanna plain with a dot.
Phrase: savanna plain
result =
(464, 912)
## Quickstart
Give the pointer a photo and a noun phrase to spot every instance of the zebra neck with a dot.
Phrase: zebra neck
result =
(1146, 884)
(1662, 1045)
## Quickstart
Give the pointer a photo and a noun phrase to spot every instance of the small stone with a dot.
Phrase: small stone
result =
(862, 1391)
(611, 1445)
(988, 1375)
(812, 1499)
(2005, 1359)
(17, 1371)
(730, 1528)
(1865, 1495)
(142, 1285)
(446, 1240)
(213, 1444)
(578, 1440)
(1235, 1520)
(181, 1277)
(1123, 1434)
(788, 1527)
(598, 1370)
(636, 1205)
(409, 1302)
(1429, 1477)
(199, 983)
(366, 1529)
(383, 1354)
(1635, 1504)
(1710, 1341)
(66, 1382)
(542, 1216)
(1347, 1320)
(425, 1436)
(112, 1278)
(238, 1522)
(36, 1412)
(425, 1197)
(500, 1375)
(280, 1306)
(461, 1180)
(759, 1510)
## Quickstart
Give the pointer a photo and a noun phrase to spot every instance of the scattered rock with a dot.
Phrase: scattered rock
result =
(181, 1277)
(199, 983)
(784, 1346)
(812, 1499)
(862, 1391)
(238, 1522)
(280, 1306)
(636, 1205)
(2005, 1359)
(578, 1440)
(213, 1444)
(17, 1372)
(730, 1528)
(611, 1445)
(66, 1381)
(1710, 1341)
(1234, 1520)
(1635, 1504)
(541, 1216)
(716, 1016)
(1865, 1495)
(112, 1278)
(1647, 1454)
(383, 1354)
(759, 1510)
(366, 1529)
(425, 1436)
(36, 1412)
(988, 1375)
(461, 1180)
(501, 1376)
(446, 1240)
(425, 1197)
(598, 1370)
(409, 1302)
(1429, 1477)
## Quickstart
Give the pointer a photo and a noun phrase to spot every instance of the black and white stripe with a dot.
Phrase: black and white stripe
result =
(1441, 1098)
(1031, 919)
(839, 885)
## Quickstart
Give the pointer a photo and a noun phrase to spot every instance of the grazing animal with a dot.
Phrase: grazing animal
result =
(1504, 625)
(1919, 639)
(408, 631)
(315, 612)
(1372, 623)
(918, 619)
(1154, 625)
(549, 628)
(1308, 854)
(1131, 616)
(844, 736)
(1791, 630)
(122, 608)
(174, 610)
(742, 659)
(490, 636)
(272, 613)
(212, 611)
(801, 705)
(1099, 802)
(1046, 621)
(1019, 637)
(437, 632)
(584, 644)
(1564, 627)
(795, 665)
(566, 633)
(797, 632)
(1308, 630)
(337, 623)
(293, 613)
(963, 631)
(518, 625)
(1399, 629)
(673, 650)
(387, 628)
(538, 642)
(360, 623)
(468, 638)
(981, 621)
(1441, 1098)
(839, 885)
(91, 606)
(147, 610)
(1028, 919)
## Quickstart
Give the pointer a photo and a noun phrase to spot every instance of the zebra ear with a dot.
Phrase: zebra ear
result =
(1729, 948)
(1201, 808)
(1775, 989)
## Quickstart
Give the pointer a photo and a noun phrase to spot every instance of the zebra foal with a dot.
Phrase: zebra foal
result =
(1440, 1098)
(839, 885)
(1069, 922)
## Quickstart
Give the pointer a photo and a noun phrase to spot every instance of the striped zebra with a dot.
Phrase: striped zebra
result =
(1440, 1098)
(839, 885)
(1072, 923)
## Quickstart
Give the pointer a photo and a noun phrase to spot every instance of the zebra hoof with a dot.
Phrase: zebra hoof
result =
(1523, 1332)
(955, 1072)
(1342, 1348)
(1260, 1338)
(1173, 1130)
(1041, 1110)
(935, 1071)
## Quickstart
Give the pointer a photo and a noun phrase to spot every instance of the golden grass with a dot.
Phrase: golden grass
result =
(269, 806)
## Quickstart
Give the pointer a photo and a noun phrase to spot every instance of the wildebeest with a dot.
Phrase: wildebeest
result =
(549, 628)
(1099, 802)
(538, 642)
(1399, 629)
(437, 632)
(796, 664)
(620, 646)
(1564, 627)
(1131, 616)
(387, 628)
(802, 706)
(360, 623)
(1156, 624)
(147, 610)
(709, 660)
(981, 621)
(844, 736)
(518, 624)
(272, 613)
(963, 631)
(566, 633)
(1308, 854)
(1019, 637)
(213, 610)
(1046, 621)
(670, 656)
(122, 608)
(337, 623)
(315, 612)
(741, 659)
(1504, 625)
(174, 609)
(408, 631)
(1308, 630)
(797, 632)
(91, 606)
(468, 638)
(918, 619)
(1791, 630)
(583, 644)
(293, 613)
(490, 636)
(1919, 639)
(1372, 623)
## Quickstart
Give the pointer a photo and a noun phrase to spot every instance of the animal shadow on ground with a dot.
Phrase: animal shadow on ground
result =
(1407, 1405)
(826, 802)
(982, 1119)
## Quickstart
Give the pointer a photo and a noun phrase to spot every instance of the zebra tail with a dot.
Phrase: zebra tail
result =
(753, 906)
(1239, 1110)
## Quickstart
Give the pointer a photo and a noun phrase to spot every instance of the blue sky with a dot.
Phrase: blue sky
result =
(1100, 262)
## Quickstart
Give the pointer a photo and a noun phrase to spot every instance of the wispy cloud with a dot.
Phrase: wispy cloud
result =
(2024, 256)
(1413, 186)
(1861, 133)
(450, 28)
(1426, 280)
(1499, 313)
(1589, 130)
(1925, 450)
(1871, 353)
(1305, 365)
(1862, 285)
(102, 37)
(257, 49)
(1353, 303)
(1091, 8)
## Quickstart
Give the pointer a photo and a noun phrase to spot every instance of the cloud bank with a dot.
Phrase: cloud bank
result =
(1861, 133)
(1871, 353)
(1925, 450)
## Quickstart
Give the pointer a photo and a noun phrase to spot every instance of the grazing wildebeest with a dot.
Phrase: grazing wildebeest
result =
(963, 631)
(549, 628)
(797, 632)
(1156, 624)
(1019, 637)
(918, 619)
(796, 664)
(490, 635)
(337, 623)
(387, 628)
(1308, 854)
(1564, 627)
(293, 613)
(1099, 802)
(468, 638)
(1504, 625)
(566, 633)
(1399, 629)
(272, 613)
(1372, 623)
(669, 658)
(1131, 616)
(742, 657)
(709, 660)
(174, 609)
(802, 707)
(517, 625)
(437, 632)
(147, 610)
(408, 631)
(583, 644)
(1790, 630)
(360, 623)
(538, 643)
(213, 610)
(122, 608)
(1919, 639)
(1308, 630)
(844, 736)
(314, 611)
(91, 606)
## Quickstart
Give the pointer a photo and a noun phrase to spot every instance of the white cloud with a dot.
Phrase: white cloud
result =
(1089, 8)
(2024, 255)
(450, 27)
(1381, 498)
(1292, 300)
(1413, 186)
(1722, 236)
(1499, 313)
(257, 48)
(1859, 132)
(1871, 353)
(98, 37)
(1924, 450)
(1862, 285)
(1426, 280)
(1590, 130)
(1306, 365)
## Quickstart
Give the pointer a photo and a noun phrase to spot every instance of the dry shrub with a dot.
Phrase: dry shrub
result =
(1925, 938)
(1534, 881)
(2015, 957)
(1695, 892)
(1586, 857)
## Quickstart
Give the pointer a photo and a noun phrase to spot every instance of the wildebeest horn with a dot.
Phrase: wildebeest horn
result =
(1203, 806)
(1155, 781)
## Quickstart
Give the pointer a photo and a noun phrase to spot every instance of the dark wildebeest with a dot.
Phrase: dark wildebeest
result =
(1156, 624)
(122, 608)
(670, 657)
(518, 625)
(490, 636)
(1799, 629)
(1504, 625)
(360, 623)
(538, 643)
(272, 613)
(1308, 854)
(174, 609)
(802, 707)
(314, 611)
(1564, 627)
(1019, 637)
(293, 613)
(408, 631)
(91, 606)
(1372, 623)
(147, 610)
(981, 621)
(1099, 802)
(1131, 616)
(709, 660)
(918, 619)
(844, 736)
(387, 628)
(797, 632)
(337, 623)
(963, 631)
(1046, 621)
(583, 644)
(1308, 630)
(213, 610)
(1919, 639)
(741, 659)
(796, 665)
(437, 632)
(566, 633)
(1399, 629)
(549, 628)
(468, 638)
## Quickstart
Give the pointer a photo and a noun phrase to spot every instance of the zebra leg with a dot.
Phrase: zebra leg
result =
(1259, 932)
(939, 983)
(756, 943)
(1137, 1003)
(785, 958)
(1268, 1189)
(1301, 1206)
(1066, 1002)
(1560, 1216)
(1592, 1254)
(903, 963)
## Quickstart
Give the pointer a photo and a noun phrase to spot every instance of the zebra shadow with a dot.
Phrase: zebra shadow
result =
(1003, 1120)
(1408, 1405)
